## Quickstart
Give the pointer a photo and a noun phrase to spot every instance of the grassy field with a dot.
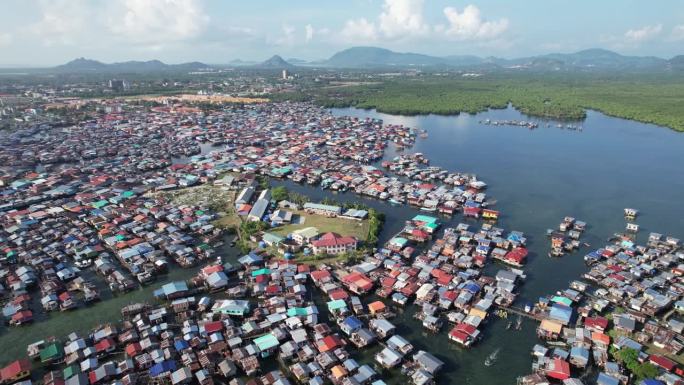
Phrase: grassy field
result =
(358, 229)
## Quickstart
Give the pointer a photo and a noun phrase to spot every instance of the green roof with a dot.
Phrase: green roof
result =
(120, 237)
(260, 272)
(336, 305)
(565, 301)
(432, 225)
(272, 238)
(199, 212)
(53, 351)
(296, 311)
(127, 194)
(266, 342)
(425, 218)
(100, 204)
(281, 170)
(399, 241)
(71, 371)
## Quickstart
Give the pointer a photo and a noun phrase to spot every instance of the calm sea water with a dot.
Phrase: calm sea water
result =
(538, 177)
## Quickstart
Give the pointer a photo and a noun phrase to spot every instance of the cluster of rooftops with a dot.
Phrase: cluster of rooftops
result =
(629, 299)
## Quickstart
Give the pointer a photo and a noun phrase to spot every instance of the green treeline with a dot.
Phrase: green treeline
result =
(647, 98)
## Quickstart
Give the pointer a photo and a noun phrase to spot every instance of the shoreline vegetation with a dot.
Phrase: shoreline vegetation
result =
(655, 99)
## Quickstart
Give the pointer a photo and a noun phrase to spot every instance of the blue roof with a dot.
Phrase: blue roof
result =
(514, 237)
(181, 345)
(352, 323)
(579, 351)
(174, 287)
(472, 287)
(561, 312)
(162, 367)
(250, 259)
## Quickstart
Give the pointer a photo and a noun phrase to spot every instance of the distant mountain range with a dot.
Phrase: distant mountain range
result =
(599, 59)
(82, 65)
(377, 58)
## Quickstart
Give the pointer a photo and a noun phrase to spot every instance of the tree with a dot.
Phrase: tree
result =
(298, 198)
(279, 193)
(630, 358)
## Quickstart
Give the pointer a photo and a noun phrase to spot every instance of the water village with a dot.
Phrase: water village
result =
(97, 209)
(620, 319)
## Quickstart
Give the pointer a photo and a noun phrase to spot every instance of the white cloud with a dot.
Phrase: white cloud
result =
(402, 18)
(643, 34)
(359, 31)
(5, 39)
(62, 21)
(469, 24)
(677, 33)
(309, 32)
(158, 22)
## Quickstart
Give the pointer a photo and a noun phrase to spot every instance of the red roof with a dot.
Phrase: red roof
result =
(663, 362)
(598, 323)
(320, 275)
(13, 370)
(333, 239)
(466, 328)
(558, 369)
(358, 279)
(517, 255)
(22, 315)
(443, 278)
(458, 335)
(104, 345)
(212, 269)
(328, 343)
(450, 295)
(213, 327)
(133, 349)
(338, 294)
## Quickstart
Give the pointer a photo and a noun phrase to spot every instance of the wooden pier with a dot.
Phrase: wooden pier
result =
(521, 312)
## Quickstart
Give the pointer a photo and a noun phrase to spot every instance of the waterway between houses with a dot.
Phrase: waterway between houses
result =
(537, 176)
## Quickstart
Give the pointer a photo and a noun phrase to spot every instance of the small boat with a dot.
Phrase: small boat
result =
(509, 325)
(491, 359)
(394, 201)
(518, 323)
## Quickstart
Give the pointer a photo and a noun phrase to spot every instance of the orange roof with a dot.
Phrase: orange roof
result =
(338, 371)
(601, 338)
(376, 306)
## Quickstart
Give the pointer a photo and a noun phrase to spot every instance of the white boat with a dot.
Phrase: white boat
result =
(491, 359)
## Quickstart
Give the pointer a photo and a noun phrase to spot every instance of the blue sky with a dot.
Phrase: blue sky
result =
(49, 32)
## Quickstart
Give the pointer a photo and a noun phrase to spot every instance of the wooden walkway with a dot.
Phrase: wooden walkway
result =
(521, 312)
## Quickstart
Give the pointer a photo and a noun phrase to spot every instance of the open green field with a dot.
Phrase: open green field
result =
(646, 98)
(358, 229)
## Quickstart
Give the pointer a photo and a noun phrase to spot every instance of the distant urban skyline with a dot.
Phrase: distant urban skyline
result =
(50, 32)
